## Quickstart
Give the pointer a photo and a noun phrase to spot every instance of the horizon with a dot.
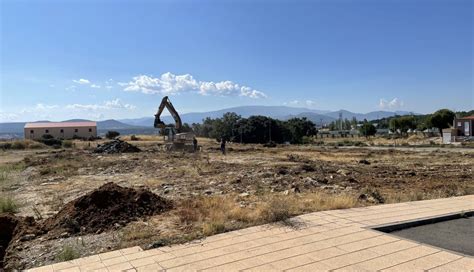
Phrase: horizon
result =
(98, 61)
(166, 114)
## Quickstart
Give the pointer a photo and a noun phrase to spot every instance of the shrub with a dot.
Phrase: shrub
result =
(67, 144)
(7, 204)
(5, 146)
(212, 228)
(18, 145)
(112, 134)
(49, 140)
(36, 146)
(277, 210)
(134, 138)
(68, 253)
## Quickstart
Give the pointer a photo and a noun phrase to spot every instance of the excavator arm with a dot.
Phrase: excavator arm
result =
(165, 102)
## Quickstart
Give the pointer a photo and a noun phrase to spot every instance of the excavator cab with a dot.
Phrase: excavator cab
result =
(174, 140)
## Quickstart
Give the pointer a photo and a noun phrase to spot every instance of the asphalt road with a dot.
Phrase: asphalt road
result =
(456, 235)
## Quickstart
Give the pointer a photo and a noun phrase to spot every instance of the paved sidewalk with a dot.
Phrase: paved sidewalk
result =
(337, 240)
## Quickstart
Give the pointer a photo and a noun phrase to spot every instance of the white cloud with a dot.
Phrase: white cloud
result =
(41, 106)
(393, 104)
(95, 86)
(8, 116)
(71, 88)
(297, 103)
(171, 84)
(107, 105)
(81, 81)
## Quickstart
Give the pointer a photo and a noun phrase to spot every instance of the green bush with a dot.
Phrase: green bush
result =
(134, 138)
(50, 141)
(112, 134)
(68, 253)
(5, 146)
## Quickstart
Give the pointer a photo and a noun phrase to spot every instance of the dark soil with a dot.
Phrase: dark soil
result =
(116, 146)
(13, 229)
(110, 206)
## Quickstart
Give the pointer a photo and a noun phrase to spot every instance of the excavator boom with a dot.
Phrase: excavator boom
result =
(165, 102)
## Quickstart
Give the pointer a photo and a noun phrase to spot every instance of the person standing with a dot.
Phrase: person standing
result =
(223, 145)
(195, 144)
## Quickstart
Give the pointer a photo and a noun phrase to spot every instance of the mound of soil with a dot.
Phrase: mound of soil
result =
(116, 146)
(104, 208)
(13, 230)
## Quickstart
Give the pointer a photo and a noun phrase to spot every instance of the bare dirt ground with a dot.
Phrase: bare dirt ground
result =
(213, 193)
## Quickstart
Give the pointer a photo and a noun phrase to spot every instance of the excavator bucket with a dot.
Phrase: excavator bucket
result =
(159, 123)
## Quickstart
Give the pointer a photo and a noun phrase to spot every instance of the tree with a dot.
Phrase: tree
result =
(299, 128)
(403, 123)
(367, 129)
(112, 134)
(186, 128)
(442, 119)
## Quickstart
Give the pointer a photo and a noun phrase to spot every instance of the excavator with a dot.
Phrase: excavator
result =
(174, 138)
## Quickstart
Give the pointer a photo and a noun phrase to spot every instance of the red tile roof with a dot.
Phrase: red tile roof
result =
(467, 117)
(60, 124)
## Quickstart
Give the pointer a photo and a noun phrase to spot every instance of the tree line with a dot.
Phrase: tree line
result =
(254, 129)
(440, 119)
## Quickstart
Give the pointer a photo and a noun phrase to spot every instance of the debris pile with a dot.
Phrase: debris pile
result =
(105, 208)
(116, 146)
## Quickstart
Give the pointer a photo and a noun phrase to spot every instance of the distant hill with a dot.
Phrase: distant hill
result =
(314, 117)
(277, 112)
(144, 125)
(361, 116)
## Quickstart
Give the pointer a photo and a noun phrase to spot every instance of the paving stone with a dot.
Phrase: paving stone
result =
(120, 266)
(396, 258)
(463, 264)
(426, 262)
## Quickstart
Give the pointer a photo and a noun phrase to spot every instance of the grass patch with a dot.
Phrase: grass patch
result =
(8, 205)
(217, 214)
(6, 171)
(21, 145)
(68, 253)
(276, 210)
(136, 233)
(67, 144)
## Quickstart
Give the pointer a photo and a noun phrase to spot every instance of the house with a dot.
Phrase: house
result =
(61, 130)
(464, 126)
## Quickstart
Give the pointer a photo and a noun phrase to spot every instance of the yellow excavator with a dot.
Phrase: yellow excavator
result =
(174, 138)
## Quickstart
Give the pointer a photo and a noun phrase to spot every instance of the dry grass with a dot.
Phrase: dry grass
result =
(217, 214)
(8, 204)
(138, 232)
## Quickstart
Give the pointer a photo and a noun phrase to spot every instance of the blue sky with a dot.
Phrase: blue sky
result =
(116, 59)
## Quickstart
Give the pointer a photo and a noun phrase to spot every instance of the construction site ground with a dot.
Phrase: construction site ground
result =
(211, 193)
(338, 240)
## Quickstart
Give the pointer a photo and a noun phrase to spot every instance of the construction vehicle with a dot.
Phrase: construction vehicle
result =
(173, 137)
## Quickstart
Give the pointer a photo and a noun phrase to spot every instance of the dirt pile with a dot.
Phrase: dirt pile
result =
(105, 208)
(116, 146)
(13, 230)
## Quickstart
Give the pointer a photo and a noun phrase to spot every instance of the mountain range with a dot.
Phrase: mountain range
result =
(145, 124)
(277, 112)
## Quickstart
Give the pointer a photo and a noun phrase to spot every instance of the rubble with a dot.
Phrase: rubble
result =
(116, 146)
